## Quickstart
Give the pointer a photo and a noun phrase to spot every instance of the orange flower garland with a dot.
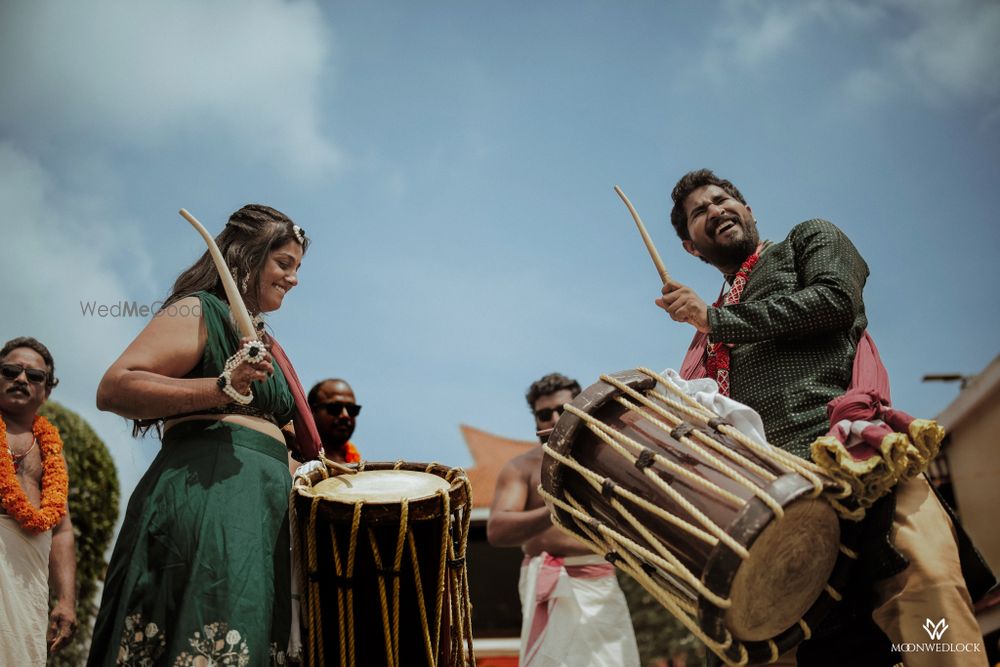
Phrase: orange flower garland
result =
(351, 454)
(55, 481)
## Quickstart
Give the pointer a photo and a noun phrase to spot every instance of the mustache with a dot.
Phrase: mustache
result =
(19, 388)
(721, 220)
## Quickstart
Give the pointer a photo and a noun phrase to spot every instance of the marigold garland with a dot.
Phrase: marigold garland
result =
(351, 454)
(55, 481)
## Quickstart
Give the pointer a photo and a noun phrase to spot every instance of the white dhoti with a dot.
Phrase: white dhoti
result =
(24, 594)
(574, 614)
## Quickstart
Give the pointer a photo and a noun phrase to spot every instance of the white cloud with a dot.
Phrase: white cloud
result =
(952, 52)
(137, 74)
(754, 33)
(945, 51)
(58, 249)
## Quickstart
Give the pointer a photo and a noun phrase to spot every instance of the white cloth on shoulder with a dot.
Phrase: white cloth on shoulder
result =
(574, 614)
(24, 594)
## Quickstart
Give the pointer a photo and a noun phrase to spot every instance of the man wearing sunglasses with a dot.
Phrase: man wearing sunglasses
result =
(31, 562)
(335, 410)
(573, 612)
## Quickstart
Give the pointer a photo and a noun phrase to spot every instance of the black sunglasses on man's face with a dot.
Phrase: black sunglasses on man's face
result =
(13, 371)
(336, 409)
(545, 414)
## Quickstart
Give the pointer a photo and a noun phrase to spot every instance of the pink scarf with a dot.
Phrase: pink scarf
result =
(306, 435)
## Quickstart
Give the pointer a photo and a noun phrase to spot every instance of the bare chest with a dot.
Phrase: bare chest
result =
(27, 459)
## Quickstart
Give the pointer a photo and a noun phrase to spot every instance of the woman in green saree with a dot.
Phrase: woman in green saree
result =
(200, 570)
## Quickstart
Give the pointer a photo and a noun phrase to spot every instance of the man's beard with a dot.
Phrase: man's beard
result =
(734, 254)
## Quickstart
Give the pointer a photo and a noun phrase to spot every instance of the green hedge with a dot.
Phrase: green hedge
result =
(93, 506)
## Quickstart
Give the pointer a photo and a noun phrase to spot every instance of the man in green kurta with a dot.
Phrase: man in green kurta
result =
(782, 339)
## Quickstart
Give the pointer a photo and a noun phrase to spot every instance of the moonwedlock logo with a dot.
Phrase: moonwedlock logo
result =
(936, 631)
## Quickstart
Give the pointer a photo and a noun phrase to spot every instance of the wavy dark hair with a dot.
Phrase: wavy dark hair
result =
(250, 234)
(690, 182)
(550, 384)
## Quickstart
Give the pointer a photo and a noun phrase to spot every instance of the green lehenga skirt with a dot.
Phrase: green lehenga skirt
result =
(200, 571)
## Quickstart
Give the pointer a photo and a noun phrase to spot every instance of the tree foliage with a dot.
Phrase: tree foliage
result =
(93, 506)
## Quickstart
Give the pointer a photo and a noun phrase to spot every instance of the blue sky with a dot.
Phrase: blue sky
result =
(454, 164)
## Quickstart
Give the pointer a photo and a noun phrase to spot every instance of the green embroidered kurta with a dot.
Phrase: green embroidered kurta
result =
(795, 332)
(200, 571)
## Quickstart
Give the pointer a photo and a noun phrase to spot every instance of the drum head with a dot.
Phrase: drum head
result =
(380, 486)
(790, 564)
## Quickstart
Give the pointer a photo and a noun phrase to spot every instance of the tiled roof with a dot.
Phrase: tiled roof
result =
(489, 452)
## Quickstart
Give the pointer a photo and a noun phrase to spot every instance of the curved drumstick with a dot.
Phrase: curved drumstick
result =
(236, 305)
(660, 268)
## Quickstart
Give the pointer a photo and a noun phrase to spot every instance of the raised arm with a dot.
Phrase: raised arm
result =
(510, 523)
(832, 275)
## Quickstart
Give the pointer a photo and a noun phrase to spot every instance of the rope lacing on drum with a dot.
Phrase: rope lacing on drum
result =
(451, 580)
(816, 475)
(727, 470)
(683, 610)
(619, 441)
(663, 559)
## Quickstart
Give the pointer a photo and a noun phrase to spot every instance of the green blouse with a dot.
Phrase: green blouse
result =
(272, 395)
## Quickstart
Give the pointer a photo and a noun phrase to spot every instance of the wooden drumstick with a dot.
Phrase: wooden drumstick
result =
(660, 268)
(236, 305)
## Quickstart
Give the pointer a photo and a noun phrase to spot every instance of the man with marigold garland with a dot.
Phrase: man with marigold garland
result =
(335, 410)
(37, 550)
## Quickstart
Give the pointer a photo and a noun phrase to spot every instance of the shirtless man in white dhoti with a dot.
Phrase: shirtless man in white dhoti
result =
(573, 612)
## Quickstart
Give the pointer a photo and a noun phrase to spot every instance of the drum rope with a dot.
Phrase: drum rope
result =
(419, 585)
(815, 474)
(703, 419)
(609, 547)
(404, 525)
(463, 573)
(613, 542)
(442, 572)
(315, 618)
(338, 571)
(621, 443)
(606, 434)
(351, 559)
(597, 482)
(680, 570)
(384, 602)
(452, 579)
(722, 466)
(683, 612)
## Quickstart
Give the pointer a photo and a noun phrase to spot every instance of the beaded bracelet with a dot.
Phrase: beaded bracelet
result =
(250, 351)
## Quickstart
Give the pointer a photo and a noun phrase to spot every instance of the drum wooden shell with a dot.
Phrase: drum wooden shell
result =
(335, 534)
(792, 565)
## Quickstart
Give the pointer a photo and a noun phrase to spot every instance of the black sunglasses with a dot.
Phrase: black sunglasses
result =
(545, 414)
(13, 371)
(335, 409)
